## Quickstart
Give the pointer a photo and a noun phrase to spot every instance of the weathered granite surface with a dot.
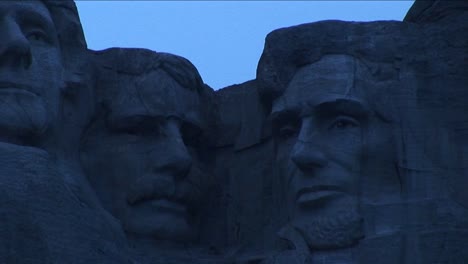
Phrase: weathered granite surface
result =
(407, 156)
(148, 150)
(49, 213)
(350, 146)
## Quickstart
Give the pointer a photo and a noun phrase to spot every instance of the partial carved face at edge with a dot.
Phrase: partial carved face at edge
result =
(30, 70)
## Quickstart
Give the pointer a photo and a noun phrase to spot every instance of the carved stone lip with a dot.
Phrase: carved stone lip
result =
(11, 86)
(317, 193)
(154, 198)
(162, 205)
(169, 206)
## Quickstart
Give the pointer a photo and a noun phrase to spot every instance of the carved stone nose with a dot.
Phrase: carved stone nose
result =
(15, 50)
(175, 160)
(178, 161)
(308, 156)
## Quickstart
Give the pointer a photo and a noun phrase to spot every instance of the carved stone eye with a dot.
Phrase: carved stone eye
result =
(344, 123)
(132, 131)
(288, 131)
(192, 135)
(37, 36)
(142, 129)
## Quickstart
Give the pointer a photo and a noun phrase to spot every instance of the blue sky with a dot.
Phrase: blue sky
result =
(223, 39)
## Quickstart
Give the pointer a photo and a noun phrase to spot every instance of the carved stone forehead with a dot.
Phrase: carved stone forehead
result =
(289, 49)
(331, 78)
(143, 82)
(153, 93)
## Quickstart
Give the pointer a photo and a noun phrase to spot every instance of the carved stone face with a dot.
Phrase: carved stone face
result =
(30, 70)
(319, 124)
(146, 157)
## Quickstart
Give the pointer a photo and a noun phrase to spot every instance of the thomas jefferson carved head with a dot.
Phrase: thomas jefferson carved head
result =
(36, 39)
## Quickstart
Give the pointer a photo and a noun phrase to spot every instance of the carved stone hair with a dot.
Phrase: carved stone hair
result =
(121, 63)
(72, 43)
(134, 61)
(288, 49)
(67, 22)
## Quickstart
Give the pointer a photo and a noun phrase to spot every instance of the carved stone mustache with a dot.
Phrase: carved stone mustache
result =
(15, 85)
(154, 187)
(151, 188)
(318, 188)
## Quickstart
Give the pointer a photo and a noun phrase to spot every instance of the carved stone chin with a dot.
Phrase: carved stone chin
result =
(30, 71)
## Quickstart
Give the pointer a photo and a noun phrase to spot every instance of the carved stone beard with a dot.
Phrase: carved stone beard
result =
(343, 229)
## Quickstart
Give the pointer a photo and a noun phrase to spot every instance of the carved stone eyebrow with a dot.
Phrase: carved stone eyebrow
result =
(31, 17)
(343, 106)
(132, 120)
(280, 115)
(118, 122)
